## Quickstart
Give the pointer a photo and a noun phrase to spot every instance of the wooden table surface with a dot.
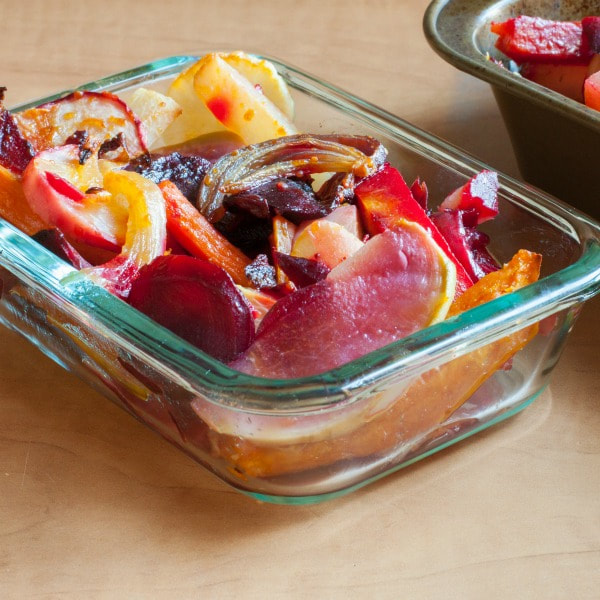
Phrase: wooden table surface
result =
(93, 505)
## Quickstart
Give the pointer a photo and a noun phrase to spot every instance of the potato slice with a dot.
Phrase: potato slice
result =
(156, 112)
(237, 104)
(262, 74)
(196, 119)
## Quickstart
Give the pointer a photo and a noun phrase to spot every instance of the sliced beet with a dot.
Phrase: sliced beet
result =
(55, 241)
(301, 271)
(291, 198)
(468, 244)
(480, 193)
(249, 233)
(261, 273)
(420, 192)
(15, 150)
(173, 246)
(251, 203)
(196, 300)
(591, 31)
(339, 188)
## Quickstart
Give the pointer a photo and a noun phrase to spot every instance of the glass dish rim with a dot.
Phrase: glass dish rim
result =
(467, 57)
(407, 357)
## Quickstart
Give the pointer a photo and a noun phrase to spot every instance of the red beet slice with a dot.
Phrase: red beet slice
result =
(15, 150)
(591, 31)
(388, 289)
(261, 273)
(420, 192)
(530, 39)
(479, 193)
(55, 241)
(290, 198)
(339, 188)
(186, 172)
(196, 300)
(467, 243)
(301, 271)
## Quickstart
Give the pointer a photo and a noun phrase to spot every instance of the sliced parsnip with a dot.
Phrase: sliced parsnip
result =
(156, 112)
(263, 74)
(237, 104)
(196, 119)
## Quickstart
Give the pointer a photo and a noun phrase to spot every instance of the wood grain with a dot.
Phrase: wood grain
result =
(93, 505)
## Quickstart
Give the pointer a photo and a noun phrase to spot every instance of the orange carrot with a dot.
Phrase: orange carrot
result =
(193, 231)
(14, 206)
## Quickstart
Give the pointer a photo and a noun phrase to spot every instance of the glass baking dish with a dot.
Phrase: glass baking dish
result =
(305, 440)
(556, 140)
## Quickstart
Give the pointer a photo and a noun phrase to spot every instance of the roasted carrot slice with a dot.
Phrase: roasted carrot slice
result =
(191, 229)
(14, 206)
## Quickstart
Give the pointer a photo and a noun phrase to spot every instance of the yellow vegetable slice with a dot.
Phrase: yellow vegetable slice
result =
(156, 112)
(263, 75)
(237, 104)
(196, 119)
(146, 225)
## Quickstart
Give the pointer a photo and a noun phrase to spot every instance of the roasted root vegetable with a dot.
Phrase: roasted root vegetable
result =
(192, 230)
(420, 408)
(560, 55)
(283, 254)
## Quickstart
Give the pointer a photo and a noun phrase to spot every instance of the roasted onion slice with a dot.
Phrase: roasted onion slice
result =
(295, 155)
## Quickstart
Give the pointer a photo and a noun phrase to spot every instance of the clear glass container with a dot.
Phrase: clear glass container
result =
(304, 440)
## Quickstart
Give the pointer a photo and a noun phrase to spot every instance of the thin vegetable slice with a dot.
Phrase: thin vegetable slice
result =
(237, 103)
(198, 301)
(199, 237)
(101, 114)
(146, 231)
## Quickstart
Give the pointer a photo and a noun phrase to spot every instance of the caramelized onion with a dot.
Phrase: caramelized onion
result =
(295, 155)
